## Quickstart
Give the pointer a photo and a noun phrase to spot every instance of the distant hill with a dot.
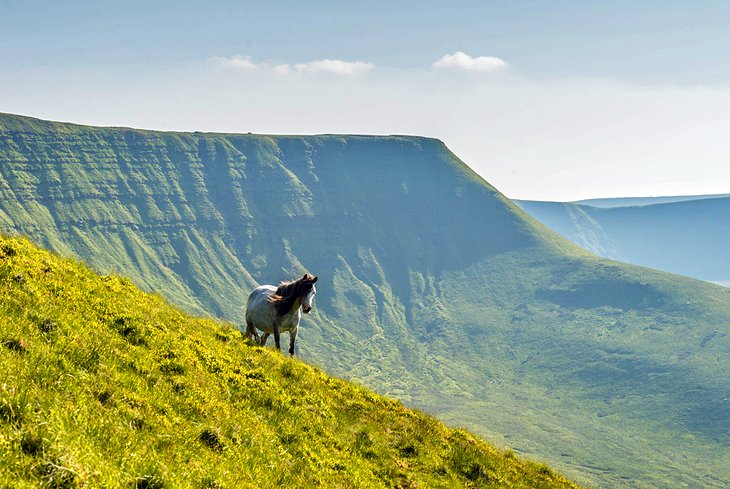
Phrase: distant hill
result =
(105, 386)
(689, 237)
(642, 201)
(433, 287)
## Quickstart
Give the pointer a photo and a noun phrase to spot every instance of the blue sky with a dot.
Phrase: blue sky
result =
(555, 100)
(632, 40)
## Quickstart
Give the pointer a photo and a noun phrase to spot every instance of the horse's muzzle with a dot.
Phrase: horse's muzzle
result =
(306, 309)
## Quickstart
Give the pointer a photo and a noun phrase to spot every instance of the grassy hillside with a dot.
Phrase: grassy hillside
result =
(687, 237)
(433, 288)
(106, 386)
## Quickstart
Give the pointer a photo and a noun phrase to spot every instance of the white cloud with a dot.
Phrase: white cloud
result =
(281, 69)
(335, 67)
(327, 66)
(235, 62)
(463, 62)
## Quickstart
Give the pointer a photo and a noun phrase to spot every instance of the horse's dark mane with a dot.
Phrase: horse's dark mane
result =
(288, 292)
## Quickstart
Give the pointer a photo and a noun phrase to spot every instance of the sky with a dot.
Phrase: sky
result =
(559, 100)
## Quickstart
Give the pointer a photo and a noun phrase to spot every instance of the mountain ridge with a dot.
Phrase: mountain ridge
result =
(611, 202)
(686, 237)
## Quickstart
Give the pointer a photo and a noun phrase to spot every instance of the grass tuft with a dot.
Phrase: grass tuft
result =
(47, 326)
(56, 476)
(104, 397)
(408, 450)
(211, 439)
(12, 411)
(15, 344)
(150, 481)
(210, 483)
(130, 331)
(172, 368)
(8, 251)
(220, 336)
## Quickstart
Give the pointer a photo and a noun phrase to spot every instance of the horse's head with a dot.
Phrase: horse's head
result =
(309, 292)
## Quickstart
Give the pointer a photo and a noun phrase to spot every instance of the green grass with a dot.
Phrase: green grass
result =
(433, 287)
(106, 386)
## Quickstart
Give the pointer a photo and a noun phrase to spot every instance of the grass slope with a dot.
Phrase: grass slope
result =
(433, 287)
(106, 386)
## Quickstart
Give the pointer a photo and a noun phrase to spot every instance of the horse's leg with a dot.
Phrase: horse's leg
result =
(264, 338)
(292, 339)
(277, 335)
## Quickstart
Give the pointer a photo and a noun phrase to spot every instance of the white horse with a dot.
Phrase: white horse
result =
(277, 309)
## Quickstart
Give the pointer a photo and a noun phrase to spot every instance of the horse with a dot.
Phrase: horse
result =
(276, 309)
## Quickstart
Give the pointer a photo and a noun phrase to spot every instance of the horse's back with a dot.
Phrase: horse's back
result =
(261, 293)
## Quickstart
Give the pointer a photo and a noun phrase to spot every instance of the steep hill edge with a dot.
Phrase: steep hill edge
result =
(104, 385)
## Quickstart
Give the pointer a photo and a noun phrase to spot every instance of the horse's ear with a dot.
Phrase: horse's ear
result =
(306, 275)
(315, 279)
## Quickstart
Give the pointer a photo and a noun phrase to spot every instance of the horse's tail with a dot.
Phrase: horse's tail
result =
(251, 332)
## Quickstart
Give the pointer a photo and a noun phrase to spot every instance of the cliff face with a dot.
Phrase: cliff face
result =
(433, 286)
(204, 216)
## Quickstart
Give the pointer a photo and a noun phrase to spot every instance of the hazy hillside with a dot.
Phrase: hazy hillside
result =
(433, 287)
(687, 237)
(105, 386)
(637, 201)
